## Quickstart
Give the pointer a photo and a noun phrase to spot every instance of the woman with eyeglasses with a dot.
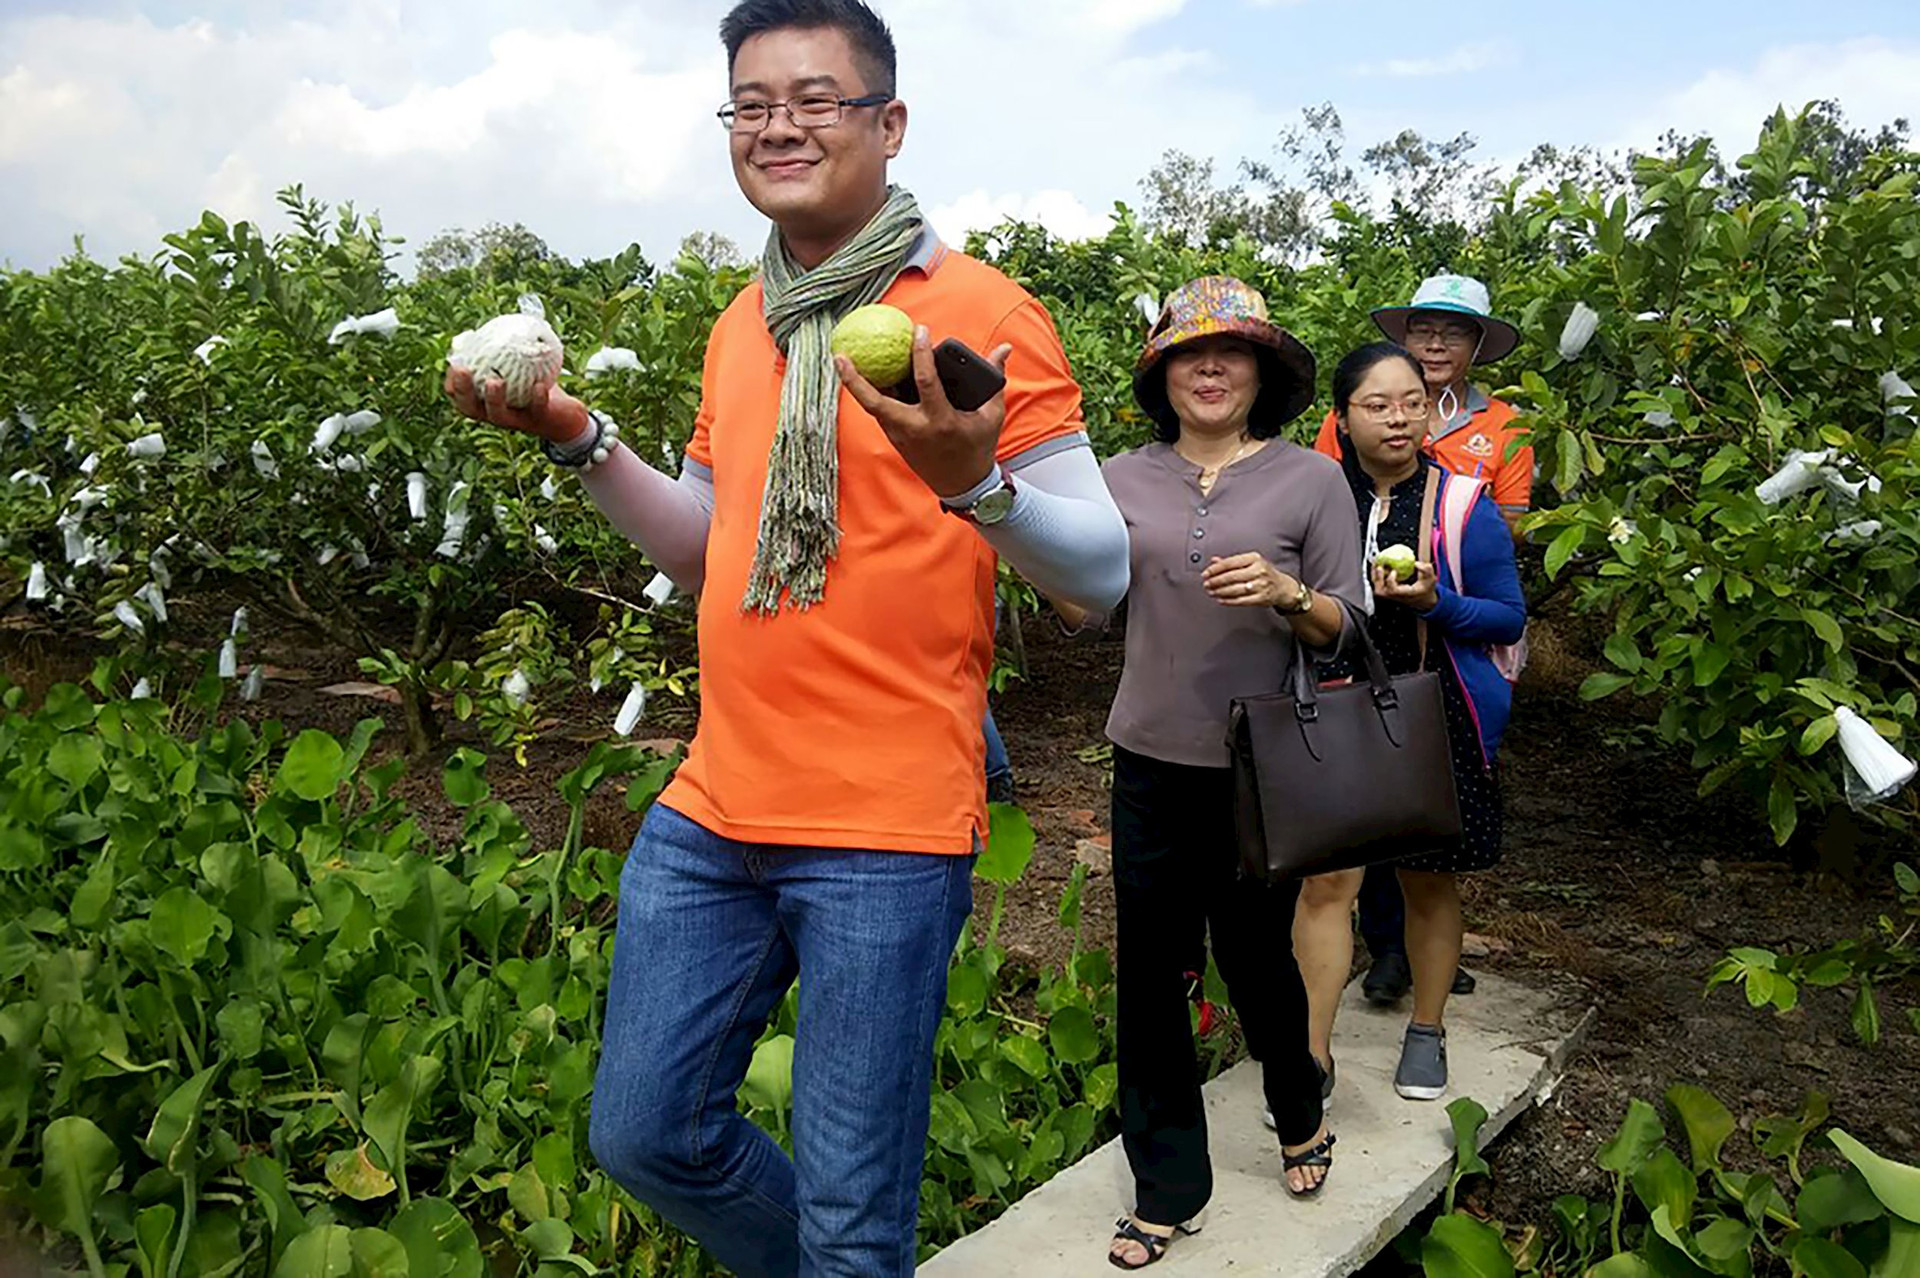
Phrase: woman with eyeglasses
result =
(1450, 329)
(1464, 597)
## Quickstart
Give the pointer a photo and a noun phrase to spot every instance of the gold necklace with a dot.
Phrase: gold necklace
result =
(1209, 475)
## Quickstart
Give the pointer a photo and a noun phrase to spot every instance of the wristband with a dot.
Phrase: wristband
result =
(590, 453)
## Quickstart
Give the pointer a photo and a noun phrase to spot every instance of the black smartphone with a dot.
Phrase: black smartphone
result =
(968, 379)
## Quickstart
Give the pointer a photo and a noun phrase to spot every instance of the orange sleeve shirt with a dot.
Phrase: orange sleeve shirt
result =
(1478, 449)
(856, 723)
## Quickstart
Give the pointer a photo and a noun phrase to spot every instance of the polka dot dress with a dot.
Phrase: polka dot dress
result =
(1395, 632)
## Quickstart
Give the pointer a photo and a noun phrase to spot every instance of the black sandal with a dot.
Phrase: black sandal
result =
(1320, 1156)
(1156, 1244)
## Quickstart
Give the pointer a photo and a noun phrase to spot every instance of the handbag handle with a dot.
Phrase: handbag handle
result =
(1306, 690)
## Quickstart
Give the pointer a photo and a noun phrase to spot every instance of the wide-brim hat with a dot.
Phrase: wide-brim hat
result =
(1453, 295)
(1219, 305)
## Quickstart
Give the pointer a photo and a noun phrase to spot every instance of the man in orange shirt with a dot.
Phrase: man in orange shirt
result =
(1450, 327)
(844, 547)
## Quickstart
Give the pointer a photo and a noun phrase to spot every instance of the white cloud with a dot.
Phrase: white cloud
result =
(1464, 60)
(594, 128)
(1059, 211)
(1874, 80)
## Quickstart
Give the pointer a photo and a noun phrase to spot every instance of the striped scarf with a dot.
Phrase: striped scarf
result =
(800, 509)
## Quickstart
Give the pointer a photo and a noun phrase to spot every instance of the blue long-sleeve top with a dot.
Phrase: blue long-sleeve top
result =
(1488, 609)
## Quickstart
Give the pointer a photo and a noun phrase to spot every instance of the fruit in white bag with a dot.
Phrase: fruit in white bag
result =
(521, 350)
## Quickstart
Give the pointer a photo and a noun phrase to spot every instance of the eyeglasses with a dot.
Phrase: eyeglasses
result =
(1446, 334)
(813, 111)
(1411, 410)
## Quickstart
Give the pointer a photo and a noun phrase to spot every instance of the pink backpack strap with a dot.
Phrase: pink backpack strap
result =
(1457, 497)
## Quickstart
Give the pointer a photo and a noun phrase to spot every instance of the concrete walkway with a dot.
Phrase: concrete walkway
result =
(1506, 1045)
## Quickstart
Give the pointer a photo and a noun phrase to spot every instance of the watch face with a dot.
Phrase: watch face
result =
(995, 506)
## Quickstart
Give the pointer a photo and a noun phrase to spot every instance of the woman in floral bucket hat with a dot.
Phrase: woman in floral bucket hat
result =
(1242, 545)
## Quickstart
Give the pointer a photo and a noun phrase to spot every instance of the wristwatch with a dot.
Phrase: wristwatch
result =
(1302, 602)
(990, 507)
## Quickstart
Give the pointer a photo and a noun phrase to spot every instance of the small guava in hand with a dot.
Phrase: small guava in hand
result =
(1400, 561)
(879, 340)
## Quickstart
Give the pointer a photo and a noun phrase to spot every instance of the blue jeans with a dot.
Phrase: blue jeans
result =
(711, 933)
(998, 765)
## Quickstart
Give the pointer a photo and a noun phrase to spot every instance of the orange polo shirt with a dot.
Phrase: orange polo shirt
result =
(1473, 443)
(856, 723)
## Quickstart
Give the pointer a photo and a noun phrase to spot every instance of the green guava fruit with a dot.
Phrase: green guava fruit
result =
(879, 341)
(1400, 561)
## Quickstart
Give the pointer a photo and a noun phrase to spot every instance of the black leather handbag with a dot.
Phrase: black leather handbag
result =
(1337, 777)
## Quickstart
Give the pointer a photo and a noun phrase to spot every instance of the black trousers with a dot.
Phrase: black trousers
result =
(1176, 885)
(1383, 912)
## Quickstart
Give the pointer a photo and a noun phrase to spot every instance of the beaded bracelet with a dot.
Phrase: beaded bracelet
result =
(606, 434)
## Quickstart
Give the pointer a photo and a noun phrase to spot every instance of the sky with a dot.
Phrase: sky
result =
(592, 123)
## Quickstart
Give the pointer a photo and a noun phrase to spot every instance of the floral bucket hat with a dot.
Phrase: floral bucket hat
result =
(1453, 295)
(1221, 305)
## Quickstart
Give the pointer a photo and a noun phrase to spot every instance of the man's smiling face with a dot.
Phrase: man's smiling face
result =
(818, 185)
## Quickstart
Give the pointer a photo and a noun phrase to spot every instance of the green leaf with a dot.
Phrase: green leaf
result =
(527, 1194)
(77, 1162)
(769, 1081)
(1103, 1086)
(1865, 1015)
(1564, 547)
(182, 925)
(353, 1173)
(1818, 1258)
(1467, 1117)
(378, 1254)
(311, 768)
(1640, 1133)
(1707, 1122)
(1783, 812)
(1621, 650)
(1825, 626)
(391, 1110)
(1818, 733)
(1726, 1242)
(172, 1139)
(269, 1184)
(153, 1238)
(1902, 1258)
(1009, 845)
(465, 777)
(1836, 1199)
(439, 1241)
(1461, 1247)
(1073, 1035)
(1025, 1053)
(966, 991)
(1906, 878)
(75, 759)
(1625, 1265)
(1896, 1184)
(1602, 684)
(325, 1251)
(1664, 1183)
(553, 1156)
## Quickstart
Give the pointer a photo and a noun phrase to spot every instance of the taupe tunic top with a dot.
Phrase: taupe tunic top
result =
(1188, 657)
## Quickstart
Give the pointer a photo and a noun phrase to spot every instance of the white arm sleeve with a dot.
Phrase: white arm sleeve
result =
(1064, 534)
(666, 518)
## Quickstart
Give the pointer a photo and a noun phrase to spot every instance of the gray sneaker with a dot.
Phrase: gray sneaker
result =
(1423, 1064)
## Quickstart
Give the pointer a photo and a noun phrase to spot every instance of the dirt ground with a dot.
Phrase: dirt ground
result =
(1617, 883)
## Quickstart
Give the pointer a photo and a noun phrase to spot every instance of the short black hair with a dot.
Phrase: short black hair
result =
(872, 43)
(1351, 371)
